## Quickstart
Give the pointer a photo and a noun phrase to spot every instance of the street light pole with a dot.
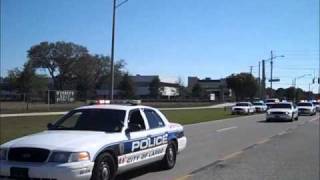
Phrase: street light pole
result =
(271, 71)
(115, 6)
(112, 50)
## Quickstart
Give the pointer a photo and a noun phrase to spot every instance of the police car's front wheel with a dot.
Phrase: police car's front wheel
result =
(169, 159)
(104, 167)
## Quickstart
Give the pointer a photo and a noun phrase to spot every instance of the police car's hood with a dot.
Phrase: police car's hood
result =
(64, 140)
(279, 110)
(242, 107)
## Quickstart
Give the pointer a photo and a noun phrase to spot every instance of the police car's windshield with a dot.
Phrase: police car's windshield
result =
(304, 104)
(242, 104)
(106, 120)
(257, 104)
(280, 106)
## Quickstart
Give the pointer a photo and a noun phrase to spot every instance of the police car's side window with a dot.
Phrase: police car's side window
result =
(153, 118)
(136, 120)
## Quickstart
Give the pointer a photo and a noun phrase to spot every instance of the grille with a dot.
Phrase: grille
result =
(278, 113)
(238, 109)
(28, 154)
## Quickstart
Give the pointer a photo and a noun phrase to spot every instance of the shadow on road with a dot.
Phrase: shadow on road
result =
(274, 121)
(139, 172)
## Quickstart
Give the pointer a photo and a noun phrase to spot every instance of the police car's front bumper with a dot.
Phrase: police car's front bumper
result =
(182, 143)
(285, 117)
(76, 170)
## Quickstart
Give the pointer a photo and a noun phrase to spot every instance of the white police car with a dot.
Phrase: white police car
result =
(94, 142)
(282, 111)
(243, 108)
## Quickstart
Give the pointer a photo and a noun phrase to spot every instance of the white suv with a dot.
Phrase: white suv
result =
(94, 142)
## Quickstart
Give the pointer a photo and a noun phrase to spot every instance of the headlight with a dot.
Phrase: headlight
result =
(80, 156)
(64, 157)
(3, 153)
(288, 113)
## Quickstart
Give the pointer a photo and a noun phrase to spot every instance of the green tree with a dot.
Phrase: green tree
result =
(280, 93)
(103, 74)
(85, 79)
(197, 90)
(244, 85)
(13, 79)
(58, 58)
(290, 93)
(154, 87)
(126, 87)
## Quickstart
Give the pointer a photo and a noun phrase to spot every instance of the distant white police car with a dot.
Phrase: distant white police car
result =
(306, 108)
(282, 111)
(243, 108)
(94, 142)
(260, 106)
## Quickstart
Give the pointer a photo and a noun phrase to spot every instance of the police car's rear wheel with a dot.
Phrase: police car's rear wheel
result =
(104, 167)
(169, 159)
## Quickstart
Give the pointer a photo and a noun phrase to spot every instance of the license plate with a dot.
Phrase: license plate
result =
(17, 172)
(277, 116)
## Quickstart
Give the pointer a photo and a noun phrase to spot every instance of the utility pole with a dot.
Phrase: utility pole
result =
(112, 50)
(115, 6)
(251, 68)
(263, 87)
(271, 72)
(319, 81)
(259, 79)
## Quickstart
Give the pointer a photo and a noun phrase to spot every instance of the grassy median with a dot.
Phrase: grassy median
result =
(13, 127)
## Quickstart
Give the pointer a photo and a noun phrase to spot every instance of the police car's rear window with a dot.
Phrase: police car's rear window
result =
(92, 120)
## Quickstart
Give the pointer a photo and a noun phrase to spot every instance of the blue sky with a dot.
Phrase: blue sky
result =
(173, 38)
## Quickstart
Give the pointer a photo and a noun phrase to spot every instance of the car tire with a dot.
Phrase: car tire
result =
(297, 118)
(104, 167)
(169, 159)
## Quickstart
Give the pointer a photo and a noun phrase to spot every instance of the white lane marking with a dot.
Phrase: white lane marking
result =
(315, 119)
(226, 129)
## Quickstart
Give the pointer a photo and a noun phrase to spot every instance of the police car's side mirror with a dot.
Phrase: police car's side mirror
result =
(127, 131)
(49, 126)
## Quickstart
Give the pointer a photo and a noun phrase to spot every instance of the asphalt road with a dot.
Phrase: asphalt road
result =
(291, 156)
(211, 142)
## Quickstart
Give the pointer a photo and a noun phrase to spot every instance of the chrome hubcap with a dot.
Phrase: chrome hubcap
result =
(105, 173)
(170, 155)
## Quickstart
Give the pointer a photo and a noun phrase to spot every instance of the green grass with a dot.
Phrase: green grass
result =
(14, 127)
(21, 107)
